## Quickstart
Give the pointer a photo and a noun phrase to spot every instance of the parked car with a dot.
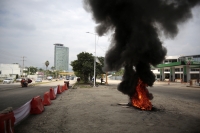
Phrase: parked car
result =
(157, 79)
(18, 80)
(8, 81)
(38, 80)
(67, 78)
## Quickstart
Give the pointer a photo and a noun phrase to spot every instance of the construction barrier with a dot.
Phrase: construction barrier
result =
(7, 122)
(52, 94)
(55, 90)
(22, 112)
(9, 118)
(63, 88)
(58, 90)
(46, 101)
(36, 105)
(67, 83)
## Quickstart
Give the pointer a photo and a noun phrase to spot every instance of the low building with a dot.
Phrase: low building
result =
(178, 68)
(9, 70)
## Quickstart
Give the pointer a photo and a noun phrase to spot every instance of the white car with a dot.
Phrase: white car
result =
(8, 81)
(49, 78)
(38, 80)
(18, 80)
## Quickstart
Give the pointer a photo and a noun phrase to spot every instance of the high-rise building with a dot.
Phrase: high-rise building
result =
(61, 57)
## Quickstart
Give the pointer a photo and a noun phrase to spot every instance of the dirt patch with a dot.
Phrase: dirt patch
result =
(96, 110)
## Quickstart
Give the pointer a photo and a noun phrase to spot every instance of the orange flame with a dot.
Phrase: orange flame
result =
(141, 97)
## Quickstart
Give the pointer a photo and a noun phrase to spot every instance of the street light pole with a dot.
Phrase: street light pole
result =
(94, 57)
(95, 62)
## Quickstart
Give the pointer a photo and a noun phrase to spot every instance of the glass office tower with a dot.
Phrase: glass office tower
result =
(61, 57)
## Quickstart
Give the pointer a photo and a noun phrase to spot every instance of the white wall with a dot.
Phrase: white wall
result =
(9, 70)
(33, 76)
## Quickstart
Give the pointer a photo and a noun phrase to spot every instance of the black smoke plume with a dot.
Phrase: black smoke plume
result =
(136, 25)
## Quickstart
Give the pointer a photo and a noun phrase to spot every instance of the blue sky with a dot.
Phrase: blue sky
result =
(30, 28)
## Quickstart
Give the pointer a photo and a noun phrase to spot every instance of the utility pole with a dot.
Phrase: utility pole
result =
(29, 71)
(23, 64)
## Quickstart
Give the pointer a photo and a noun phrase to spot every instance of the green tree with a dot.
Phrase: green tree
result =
(47, 64)
(40, 70)
(25, 70)
(52, 68)
(56, 73)
(32, 70)
(83, 66)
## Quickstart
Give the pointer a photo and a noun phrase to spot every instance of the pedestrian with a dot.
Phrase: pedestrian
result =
(78, 79)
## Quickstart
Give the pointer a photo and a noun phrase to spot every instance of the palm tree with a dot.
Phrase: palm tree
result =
(53, 68)
(47, 64)
(40, 69)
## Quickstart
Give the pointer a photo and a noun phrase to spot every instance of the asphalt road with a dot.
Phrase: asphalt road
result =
(177, 90)
(13, 95)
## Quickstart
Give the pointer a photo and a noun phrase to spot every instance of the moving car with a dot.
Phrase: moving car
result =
(38, 80)
(8, 81)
